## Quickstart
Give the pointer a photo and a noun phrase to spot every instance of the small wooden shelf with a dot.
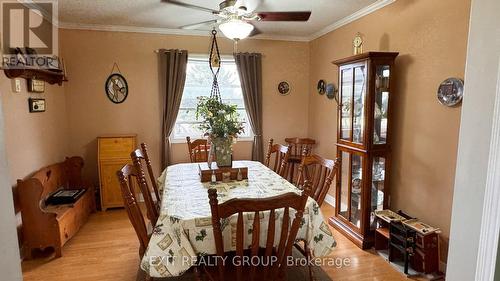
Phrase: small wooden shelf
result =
(49, 76)
(384, 231)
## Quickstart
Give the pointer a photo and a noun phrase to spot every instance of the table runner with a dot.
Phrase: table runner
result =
(184, 228)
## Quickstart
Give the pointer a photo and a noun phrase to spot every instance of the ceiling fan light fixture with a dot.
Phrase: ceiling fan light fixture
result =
(236, 29)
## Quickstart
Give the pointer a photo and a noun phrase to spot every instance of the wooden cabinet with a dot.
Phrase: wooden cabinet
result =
(113, 153)
(363, 143)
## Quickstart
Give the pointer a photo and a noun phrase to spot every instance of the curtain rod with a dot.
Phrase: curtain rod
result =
(202, 55)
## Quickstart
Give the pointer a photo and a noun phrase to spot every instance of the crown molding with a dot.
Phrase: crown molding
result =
(185, 32)
(168, 31)
(355, 16)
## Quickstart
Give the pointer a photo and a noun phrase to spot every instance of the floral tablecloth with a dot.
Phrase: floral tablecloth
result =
(184, 229)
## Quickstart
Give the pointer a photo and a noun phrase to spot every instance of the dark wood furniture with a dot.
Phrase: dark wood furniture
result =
(401, 243)
(297, 148)
(52, 226)
(320, 173)
(363, 143)
(152, 207)
(49, 76)
(426, 255)
(135, 215)
(288, 233)
(281, 154)
(198, 150)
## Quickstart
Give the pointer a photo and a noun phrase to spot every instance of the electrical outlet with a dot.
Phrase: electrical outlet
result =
(17, 85)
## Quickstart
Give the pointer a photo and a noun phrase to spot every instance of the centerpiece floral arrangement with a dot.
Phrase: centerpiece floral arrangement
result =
(221, 123)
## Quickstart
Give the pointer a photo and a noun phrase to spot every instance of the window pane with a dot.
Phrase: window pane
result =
(199, 81)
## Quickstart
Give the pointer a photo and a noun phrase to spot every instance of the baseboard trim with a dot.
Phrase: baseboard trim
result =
(330, 200)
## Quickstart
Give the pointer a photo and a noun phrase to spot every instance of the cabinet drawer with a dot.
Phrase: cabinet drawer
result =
(110, 148)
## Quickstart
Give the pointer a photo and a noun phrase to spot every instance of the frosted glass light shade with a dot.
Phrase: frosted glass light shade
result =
(236, 29)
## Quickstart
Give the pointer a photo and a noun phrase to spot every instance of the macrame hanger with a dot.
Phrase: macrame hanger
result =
(214, 62)
(115, 65)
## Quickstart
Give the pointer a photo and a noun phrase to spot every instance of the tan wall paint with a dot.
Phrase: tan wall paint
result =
(33, 140)
(89, 57)
(431, 37)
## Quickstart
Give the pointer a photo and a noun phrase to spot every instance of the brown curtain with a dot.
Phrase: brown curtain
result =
(250, 70)
(172, 77)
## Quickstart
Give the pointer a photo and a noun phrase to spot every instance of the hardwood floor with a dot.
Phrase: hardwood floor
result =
(106, 249)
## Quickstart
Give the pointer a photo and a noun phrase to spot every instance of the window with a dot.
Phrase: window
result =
(199, 80)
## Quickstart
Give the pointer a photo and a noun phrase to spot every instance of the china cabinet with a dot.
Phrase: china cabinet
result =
(363, 143)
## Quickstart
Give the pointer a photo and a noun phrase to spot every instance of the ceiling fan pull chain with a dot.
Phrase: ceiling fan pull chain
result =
(215, 62)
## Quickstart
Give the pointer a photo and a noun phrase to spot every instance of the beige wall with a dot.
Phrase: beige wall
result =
(33, 140)
(431, 37)
(89, 57)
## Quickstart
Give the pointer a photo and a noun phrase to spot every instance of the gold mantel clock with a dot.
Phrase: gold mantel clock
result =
(357, 43)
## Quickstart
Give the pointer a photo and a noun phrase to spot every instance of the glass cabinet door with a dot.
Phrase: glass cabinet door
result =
(351, 181)
(358, 109)
(377, 188)
(356, 186)
(382, 77)
(346, 104)
(344, 185)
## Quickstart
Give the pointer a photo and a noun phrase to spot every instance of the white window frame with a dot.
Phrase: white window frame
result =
(224, 58)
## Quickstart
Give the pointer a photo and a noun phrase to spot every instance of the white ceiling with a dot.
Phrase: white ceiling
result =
(152, 14)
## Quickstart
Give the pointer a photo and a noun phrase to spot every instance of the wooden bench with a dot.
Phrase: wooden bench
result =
(52, 226)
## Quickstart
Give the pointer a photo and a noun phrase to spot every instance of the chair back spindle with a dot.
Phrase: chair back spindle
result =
(280, 162)
(151, 207)
(134, 213)
(257, 207)
(320, 173)
(198, 150)
(152, 177)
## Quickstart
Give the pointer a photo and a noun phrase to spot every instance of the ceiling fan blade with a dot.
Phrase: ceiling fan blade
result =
(284, 16)
(199, 24)
(255, 31)
(186, 5)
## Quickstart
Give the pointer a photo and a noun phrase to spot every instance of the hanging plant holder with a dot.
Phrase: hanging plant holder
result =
(214, 62)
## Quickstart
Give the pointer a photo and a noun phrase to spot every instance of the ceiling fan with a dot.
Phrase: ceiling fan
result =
(234, 21)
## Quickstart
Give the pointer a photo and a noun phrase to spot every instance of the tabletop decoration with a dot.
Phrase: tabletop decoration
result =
(220, 121)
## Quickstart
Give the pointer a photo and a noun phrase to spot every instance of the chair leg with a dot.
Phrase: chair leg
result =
(309, 266)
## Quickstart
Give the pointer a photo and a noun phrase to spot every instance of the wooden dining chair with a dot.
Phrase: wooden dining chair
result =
(280, 163)
(276, 270)
(319, 172)
(152, 207)
(198, 150)
(297, 147)
(135, 215)
(152, 178)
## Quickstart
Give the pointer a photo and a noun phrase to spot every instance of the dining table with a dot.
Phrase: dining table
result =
(183, 232)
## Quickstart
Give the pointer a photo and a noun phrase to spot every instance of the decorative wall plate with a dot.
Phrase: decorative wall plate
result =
(321, 87)
(330, 91)
(451, 91)
(116, 88)
(284, 88)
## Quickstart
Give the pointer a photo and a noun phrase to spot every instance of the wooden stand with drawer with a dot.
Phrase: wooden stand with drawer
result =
(113, 152)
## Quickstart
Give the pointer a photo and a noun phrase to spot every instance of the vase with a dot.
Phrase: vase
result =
(223, 151)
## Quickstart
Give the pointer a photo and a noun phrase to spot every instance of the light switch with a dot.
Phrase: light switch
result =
(17, 85)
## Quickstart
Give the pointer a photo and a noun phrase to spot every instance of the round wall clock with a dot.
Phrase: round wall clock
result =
(321, 87)
(284, 88)
(451, 91)
(116, 88)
